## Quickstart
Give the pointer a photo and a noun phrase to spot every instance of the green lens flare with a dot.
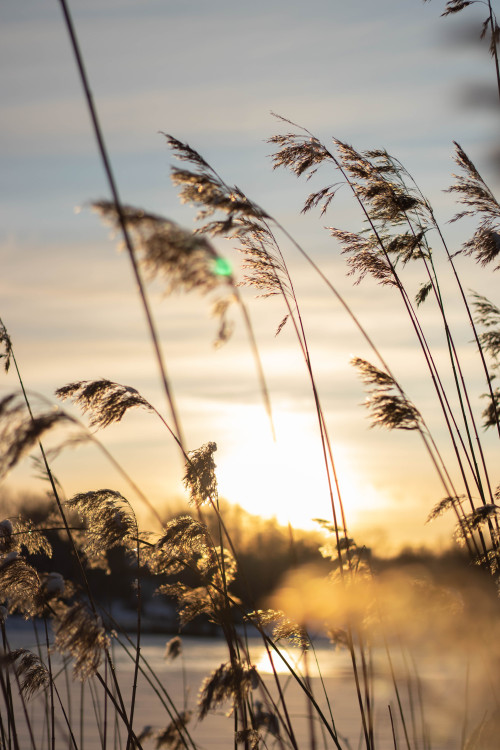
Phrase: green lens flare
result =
(222, 267)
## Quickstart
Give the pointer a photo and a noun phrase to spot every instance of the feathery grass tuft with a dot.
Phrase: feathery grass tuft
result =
(106, 401)
(200, 479)
(80, 633)
(391, 410)
(231, 682)
(30, 671)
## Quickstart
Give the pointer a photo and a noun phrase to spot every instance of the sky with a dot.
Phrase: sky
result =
(391, 74)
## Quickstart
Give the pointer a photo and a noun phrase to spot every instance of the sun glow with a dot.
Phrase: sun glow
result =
(286, 478)
(279, 661)
(268, 662)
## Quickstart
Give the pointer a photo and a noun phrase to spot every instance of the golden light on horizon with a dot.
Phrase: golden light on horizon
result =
(286, 478)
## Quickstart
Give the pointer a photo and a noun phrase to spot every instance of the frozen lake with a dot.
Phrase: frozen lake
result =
(181, 680)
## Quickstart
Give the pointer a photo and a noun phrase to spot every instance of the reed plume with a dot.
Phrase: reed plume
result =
(19, 584)
(110, 521)
(31, 673)
(229, 682)
(390, 410)
(105, 401)
(21, 431)
(473, 192)
(171, 736)
(80, 633)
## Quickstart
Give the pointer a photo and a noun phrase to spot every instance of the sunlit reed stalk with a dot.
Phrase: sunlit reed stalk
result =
(205, 187)
(117, 706)
(121, 218)
(310, 715)
(82, 714)
(231, 637)
(69, 702)
(97, 711)
(3, 736)
(138, 637)
(263, 258)
(457, 372)
(398, 696)
(190, 179)
(48, 703)
(464, 161)
(393, 727)
(156, 685)
(107, 402)
(5, 685)
(426, 436)
(106, 709)
(427, 257)
(270, 643)
(11, 357)
(302, 167)
(332, 477)
(51, 684)
(301, 156)
(489, 27)
(122, 221)
(68, 724)
(430, 445)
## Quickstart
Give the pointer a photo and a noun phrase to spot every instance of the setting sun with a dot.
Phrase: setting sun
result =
(286, 478)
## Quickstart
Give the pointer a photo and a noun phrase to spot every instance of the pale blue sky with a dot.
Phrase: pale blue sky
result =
(375, 74)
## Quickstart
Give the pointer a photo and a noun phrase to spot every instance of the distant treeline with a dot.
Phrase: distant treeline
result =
(265, 552)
